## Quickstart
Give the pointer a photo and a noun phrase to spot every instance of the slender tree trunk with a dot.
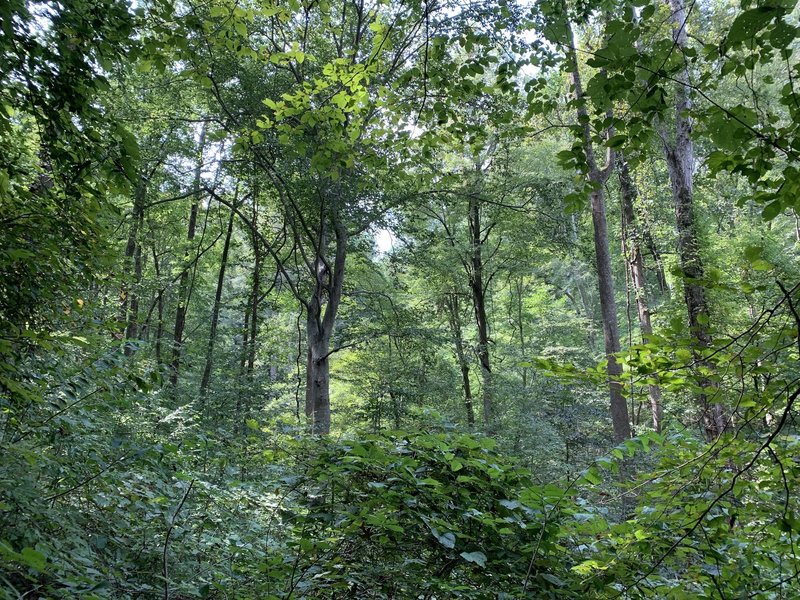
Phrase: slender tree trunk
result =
(319, 328)
(183, 287)
(212, 335)
(454, 317)
(679, 154)
(588, 312)
(650, 244)
(133, 254)
(478, 288)
(521, 325)
(633, 257)
(608, 305)
(255, 300)
(159, 309)
(245, 336)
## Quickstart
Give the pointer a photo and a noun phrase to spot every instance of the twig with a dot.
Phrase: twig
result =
(87, 480)
(165, 567)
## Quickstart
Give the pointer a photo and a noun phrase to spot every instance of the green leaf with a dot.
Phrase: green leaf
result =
(33, 558)
(750, 22)
(477, 557)
(592, 476)
(448, 540)
(617, 141)
(771, 210)
(761, 265)
(553, 579)
(752, 253)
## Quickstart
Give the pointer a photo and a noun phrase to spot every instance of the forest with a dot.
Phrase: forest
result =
(402, 299)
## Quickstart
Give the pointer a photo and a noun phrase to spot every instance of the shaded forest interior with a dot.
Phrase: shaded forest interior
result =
(411, 299)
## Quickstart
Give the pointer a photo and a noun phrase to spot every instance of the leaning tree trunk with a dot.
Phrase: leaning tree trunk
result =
(633, 256)
(319, 328)
(212, 335)
(679, 154)
(608, 305)
(454, 317)
(183, 286)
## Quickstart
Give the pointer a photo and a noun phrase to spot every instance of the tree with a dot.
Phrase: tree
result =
(679, 152)
(632, 249)
(597, 177)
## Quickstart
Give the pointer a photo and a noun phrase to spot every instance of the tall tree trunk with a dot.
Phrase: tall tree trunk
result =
(454, 317)
(631, 240)
(319, 328)
(159, 308)
(133, 254)
(255, 294)
(245, 336)
(183, 287)
(588, 312)
(679, 154)
(478, 288)
(212, 335)
(521, 324)
(255, 300)
(608, 305)
(650, 244)
(318, 401)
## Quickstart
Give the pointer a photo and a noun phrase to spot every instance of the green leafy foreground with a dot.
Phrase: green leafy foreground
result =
(400, 515)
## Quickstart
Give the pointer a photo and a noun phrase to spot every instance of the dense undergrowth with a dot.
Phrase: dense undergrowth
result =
(102, 507)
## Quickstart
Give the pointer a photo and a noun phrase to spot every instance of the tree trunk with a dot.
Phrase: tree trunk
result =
(608, 305)
(631, 240)
(477, 286)
(255, 300)
(454, 317)
(318, 401)
(159, 308)
(254, 321)
(319, 328)
(183, 287)
(650, 244)
(212, 335)
(588, 311)
(245, 337)
(679, 154)
(519, 285)
(133, 254)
